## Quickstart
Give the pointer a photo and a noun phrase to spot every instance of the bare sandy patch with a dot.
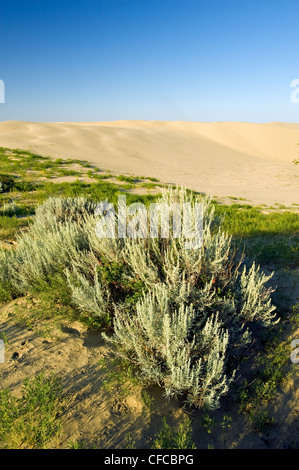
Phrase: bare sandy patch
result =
(110, 419)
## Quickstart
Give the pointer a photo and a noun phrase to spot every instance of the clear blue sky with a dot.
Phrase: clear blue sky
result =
(97, 60)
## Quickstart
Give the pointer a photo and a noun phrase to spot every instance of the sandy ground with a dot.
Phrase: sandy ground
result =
(107, 419)
(252, 161)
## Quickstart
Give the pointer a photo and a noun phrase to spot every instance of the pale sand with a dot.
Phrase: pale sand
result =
(252, 161)
(105, 418)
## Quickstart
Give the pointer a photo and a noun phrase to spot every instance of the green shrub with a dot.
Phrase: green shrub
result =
(7, 183)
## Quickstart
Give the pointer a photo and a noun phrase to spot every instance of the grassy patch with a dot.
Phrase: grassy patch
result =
(119, 376)
(31, 420)
(171, 437)
(280, 251)
(272, 367)
(127, 179)
(242, 220)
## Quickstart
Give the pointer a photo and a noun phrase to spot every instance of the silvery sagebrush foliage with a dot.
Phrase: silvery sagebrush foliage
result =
(6, 257)
(41, 253)
(168, 349)
(89, 297)
(197, 312)
(64, 210)
(197, 307)
(52, 242)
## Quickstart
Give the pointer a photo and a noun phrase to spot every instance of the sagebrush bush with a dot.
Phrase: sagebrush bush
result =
(64, 210)
(90, 297)
(179, 314)
(197, 312)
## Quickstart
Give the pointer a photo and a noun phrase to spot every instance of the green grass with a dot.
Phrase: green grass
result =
(30, 420)
(4, 338)
(24, 169)
(22, 189)
(270, 238)
(242, 220)
(277, 251)
(99, 177)
(9, 226)
(77, 445)
(150, 178)
(118, 376)
(271, 368)
(148, 185)
(171, 437)
(127, 179)
(147, 400)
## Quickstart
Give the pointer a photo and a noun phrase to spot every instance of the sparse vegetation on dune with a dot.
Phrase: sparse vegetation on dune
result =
(184, 319)
(31, 419)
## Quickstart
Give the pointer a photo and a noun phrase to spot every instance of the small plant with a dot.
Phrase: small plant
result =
(7, 183)
(130, 441)
(170, 437)
(31, 420)
(4, 338)
(127, 179)
(295, 316)
(119, 377)
(226, 422)
(150, 178)
(77, 445)
(261, 420)
(147, 399)
(208, 423)
(271, 369)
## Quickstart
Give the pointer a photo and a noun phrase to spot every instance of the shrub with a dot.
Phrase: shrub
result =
(6, 288)
(162, 340)
(181, 315)
(90, 297)
(64, 210)
(197, 312)
(7, 183)
(41, 253)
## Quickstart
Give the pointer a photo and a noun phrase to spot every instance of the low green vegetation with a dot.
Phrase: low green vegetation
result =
(209, 423)
(270, 370)
(174, 437)
(247, 221)
(118, 377)
(31, 419)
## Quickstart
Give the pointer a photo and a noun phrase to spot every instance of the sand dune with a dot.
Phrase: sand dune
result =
(253, 161)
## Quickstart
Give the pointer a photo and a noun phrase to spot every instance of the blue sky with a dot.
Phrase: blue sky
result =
(97, 60)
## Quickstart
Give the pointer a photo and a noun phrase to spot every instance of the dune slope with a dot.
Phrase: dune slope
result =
(252, 161)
